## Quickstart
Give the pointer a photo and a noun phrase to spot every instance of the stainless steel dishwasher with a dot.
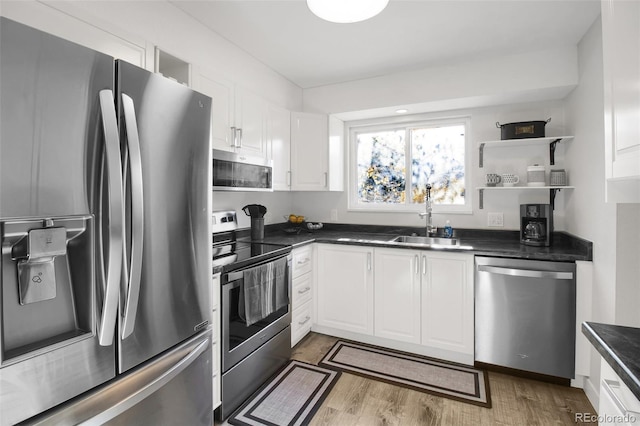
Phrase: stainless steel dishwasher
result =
(525, 315)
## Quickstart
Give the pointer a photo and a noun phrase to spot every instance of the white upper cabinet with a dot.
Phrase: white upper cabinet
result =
(238, 117)
(279, 146)
(309, 152)
(222, 93)
(316, 158)
(621, 54)
(250, 124)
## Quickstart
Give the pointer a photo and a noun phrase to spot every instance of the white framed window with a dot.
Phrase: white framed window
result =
(390, 165)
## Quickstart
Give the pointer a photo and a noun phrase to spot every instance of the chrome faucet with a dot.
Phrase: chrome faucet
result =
(430, 229)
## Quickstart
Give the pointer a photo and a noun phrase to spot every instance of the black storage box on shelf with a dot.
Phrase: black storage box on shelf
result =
(522, 130)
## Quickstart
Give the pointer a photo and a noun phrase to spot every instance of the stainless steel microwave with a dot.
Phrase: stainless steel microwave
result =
(236, 172)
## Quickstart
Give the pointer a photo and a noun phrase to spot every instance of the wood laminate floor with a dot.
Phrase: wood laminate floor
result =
(515, 401)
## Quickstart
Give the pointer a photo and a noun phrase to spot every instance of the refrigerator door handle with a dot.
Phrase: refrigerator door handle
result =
(137, 217)
(131, 400)
(106, 326)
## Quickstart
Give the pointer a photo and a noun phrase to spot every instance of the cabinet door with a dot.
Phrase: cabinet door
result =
(621, 50)
(447, 301)
(345, 288)
(250, 119)
(279, 146)
(309, 152)
(221, 93)
(397, 294)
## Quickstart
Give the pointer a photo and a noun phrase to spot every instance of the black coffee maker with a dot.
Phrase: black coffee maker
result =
(536, 224)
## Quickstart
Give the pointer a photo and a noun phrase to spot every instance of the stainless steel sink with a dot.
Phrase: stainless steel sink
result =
(426, 241)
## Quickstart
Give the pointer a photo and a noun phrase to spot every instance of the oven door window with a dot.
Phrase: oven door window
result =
(239, 332)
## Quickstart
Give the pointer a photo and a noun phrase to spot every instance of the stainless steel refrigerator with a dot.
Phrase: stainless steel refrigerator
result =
(106, 260)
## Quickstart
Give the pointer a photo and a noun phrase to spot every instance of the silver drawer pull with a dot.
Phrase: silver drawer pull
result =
(609, 386)
(306, 320)
(303, 261)
(304, 290)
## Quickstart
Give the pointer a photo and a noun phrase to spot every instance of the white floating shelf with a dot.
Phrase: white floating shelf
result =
(552, 191)
(550, 140)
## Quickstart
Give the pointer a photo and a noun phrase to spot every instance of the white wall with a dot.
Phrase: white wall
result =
(591, 217)
(318, 205)
(530, 76)
(148, 24)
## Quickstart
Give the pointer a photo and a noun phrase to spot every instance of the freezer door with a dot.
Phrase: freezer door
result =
(164, 131)
(175, 389)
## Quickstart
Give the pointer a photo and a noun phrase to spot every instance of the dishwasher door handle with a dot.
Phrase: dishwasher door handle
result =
(514, 272)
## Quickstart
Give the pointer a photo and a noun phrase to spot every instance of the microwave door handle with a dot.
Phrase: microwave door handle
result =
(130, 309)
(106, 326)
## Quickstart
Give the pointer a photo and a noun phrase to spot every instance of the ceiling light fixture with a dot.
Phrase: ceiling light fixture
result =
(346, 11)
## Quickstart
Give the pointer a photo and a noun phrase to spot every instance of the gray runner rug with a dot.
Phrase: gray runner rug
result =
(291, 397)
(450, 380)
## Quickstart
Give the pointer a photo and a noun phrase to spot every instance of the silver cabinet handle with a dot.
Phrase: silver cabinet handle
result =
(326, 179)
(369, 261)
(137, 218)
(417, 261)
(113, 166)
(128, 401)
(304, 290)
(424, 265)
(303, 261)
(234, 137)
(306, 320)
(526, 272)
(288, 177)
(609, 385)
(239, 137)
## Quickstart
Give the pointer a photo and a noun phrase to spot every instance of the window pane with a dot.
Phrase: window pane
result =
(381, 167)
(438, 159)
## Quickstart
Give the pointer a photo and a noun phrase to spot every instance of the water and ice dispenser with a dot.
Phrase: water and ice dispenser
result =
(47, 283)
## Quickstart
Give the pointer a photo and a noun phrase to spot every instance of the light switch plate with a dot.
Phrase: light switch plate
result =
(495, 219)
(334, 215)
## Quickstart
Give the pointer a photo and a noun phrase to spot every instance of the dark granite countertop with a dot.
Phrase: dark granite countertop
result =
(565, 247)
(620, 346)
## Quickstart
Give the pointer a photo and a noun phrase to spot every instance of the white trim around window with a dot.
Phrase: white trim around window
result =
(406, 124)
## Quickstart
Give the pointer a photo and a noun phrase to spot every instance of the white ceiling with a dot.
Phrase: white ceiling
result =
(407, 35)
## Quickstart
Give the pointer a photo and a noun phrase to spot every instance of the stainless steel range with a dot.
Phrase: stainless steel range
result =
(255, 309)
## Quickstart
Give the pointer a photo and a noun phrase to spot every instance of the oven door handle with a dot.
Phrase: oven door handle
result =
(238, 275)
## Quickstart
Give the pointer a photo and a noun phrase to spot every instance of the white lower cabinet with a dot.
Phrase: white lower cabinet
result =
(447, 302)
(618, 405)
(418, 301)
(345, 288)
(301, 293)
(397, 295)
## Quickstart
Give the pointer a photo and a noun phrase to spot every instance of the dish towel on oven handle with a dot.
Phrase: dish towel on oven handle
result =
(264, 291)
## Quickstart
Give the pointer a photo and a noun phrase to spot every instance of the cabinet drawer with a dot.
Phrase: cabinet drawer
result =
(302, 290)
(301, 322)
(302, 261)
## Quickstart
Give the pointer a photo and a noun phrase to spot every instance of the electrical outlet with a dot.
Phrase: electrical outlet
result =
(334, 215)
(495, 219)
